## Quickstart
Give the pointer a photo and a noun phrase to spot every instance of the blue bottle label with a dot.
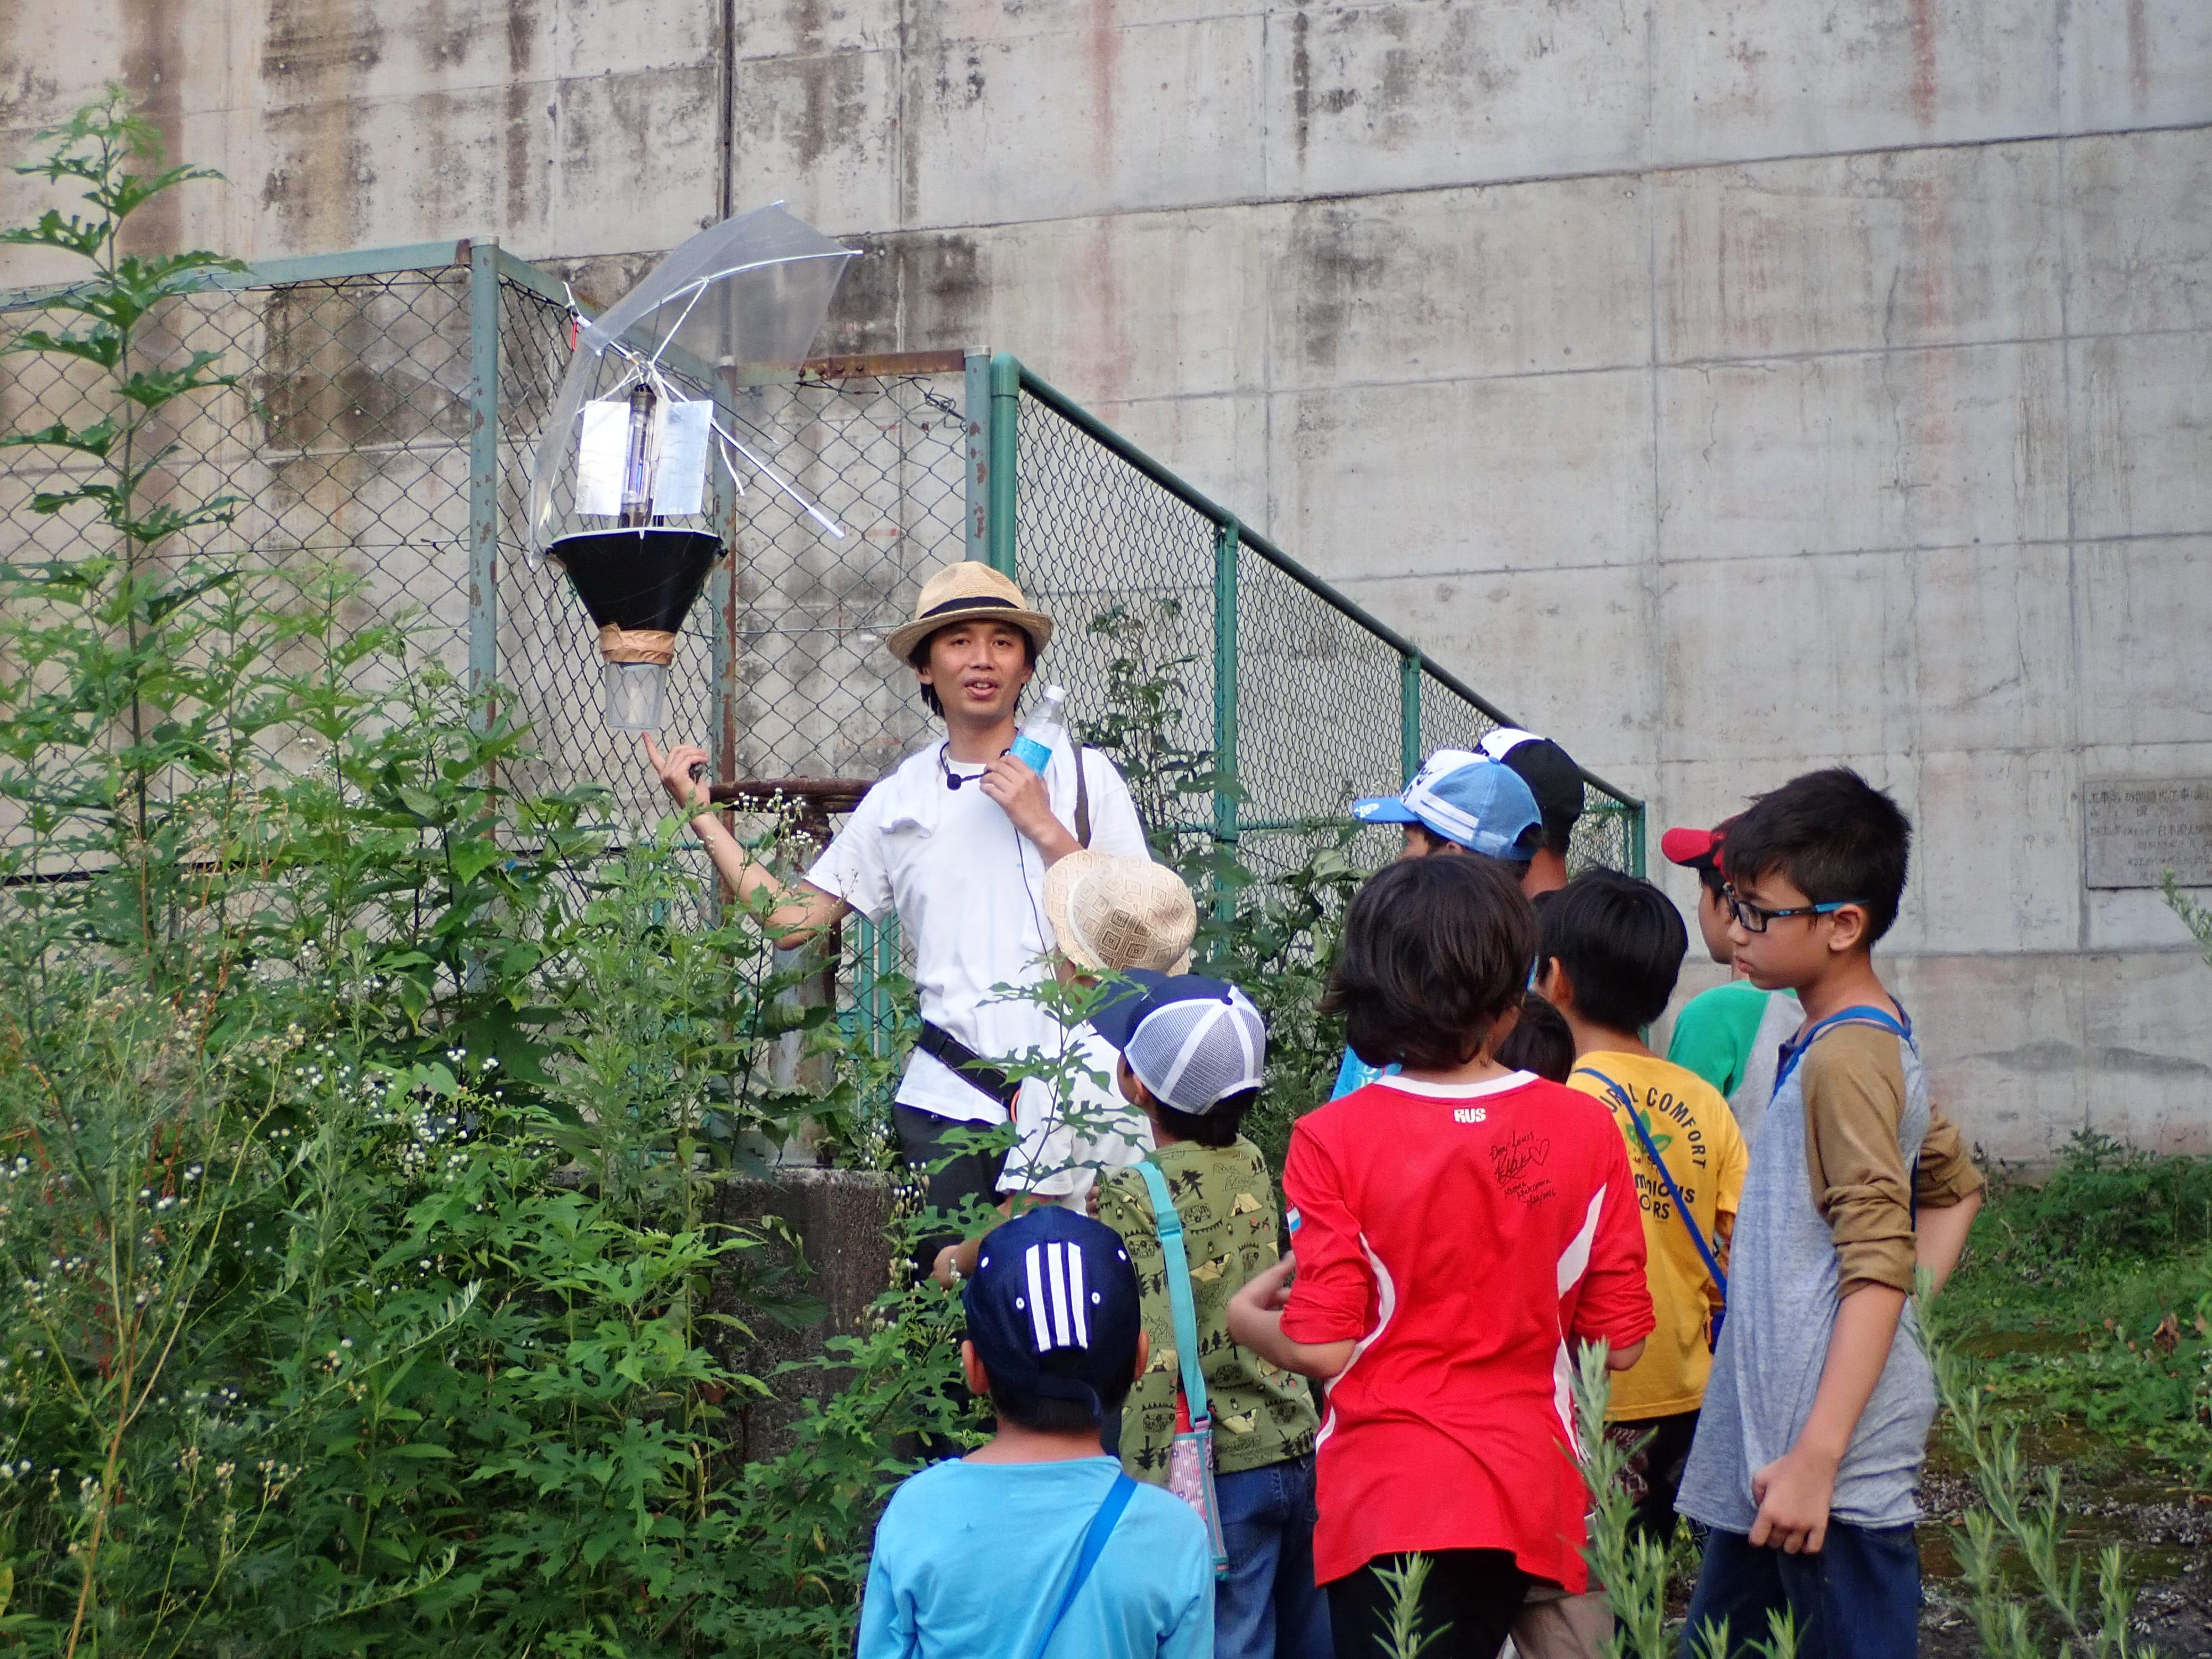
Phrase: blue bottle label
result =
(1031, 754)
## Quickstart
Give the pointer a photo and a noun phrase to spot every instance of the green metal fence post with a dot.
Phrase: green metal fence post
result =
(1005, 411)
(1227, 542)
(1409, 713)
(1636, 839)
(483, 471)
(976, 415)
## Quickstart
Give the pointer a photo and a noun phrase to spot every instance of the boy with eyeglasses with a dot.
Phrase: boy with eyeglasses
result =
(1816, 1415)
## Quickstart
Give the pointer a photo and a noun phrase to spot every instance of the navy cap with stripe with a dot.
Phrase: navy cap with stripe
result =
(1052, 1308)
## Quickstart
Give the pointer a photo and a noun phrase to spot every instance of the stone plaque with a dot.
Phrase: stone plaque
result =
(2138, 829)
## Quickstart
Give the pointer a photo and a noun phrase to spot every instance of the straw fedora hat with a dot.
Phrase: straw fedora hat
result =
(1114, 914)
(964, 592)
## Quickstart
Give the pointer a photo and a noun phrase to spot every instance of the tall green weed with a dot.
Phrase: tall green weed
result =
(362, 1121)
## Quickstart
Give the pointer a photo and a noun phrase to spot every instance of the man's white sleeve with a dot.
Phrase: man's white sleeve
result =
(852, 866)
(1114, 826)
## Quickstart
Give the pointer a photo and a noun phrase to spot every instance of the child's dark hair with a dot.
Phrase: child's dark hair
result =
(1620, 941)
(1216, 1128)
(918, 659)
(1539, 1042)
(1834, 836)
(1042, 1413)
(1710, 875)
(1529, 843)
(1434, 951)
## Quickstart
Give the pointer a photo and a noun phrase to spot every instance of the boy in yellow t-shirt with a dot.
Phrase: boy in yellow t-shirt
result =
(1612, 949)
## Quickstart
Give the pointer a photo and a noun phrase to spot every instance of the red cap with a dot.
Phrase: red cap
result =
(1697, 848)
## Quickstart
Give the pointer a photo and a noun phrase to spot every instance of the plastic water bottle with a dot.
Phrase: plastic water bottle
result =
(1045, 726)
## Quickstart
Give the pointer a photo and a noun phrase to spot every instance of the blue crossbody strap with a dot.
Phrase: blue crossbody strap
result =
(1861, 1014)
(1180, 1304)
(1636, 1119)
(1102, 1522)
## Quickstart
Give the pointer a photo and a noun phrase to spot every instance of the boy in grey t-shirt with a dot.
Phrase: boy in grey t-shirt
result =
(1816, 1416)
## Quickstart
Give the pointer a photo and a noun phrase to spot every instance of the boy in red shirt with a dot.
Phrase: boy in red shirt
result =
(1456, 1229)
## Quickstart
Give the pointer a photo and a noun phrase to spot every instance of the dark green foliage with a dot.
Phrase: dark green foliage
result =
(2104, 1200)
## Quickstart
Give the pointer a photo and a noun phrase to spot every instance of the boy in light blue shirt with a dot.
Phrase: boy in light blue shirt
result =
(1036, 1546)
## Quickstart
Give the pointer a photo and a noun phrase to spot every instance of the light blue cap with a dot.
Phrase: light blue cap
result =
(1468, 799)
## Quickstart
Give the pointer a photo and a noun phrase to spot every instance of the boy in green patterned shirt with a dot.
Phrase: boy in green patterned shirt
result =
(1193, 1052)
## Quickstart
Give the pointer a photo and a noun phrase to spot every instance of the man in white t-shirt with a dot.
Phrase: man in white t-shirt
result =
(957, 840)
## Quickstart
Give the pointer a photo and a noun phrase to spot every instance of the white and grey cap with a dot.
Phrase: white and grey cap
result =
(1194, 1041)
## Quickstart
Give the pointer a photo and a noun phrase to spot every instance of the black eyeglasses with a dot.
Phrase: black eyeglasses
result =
(1754, 918)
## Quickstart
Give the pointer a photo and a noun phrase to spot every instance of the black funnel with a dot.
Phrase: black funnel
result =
(639, 585)
(645, 579)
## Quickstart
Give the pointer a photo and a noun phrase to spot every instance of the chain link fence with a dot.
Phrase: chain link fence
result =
(388, 406)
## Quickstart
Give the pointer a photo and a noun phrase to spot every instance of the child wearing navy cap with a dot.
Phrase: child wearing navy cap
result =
(1036, 1546)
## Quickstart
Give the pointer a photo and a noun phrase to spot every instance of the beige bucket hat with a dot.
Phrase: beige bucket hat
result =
(1112, 914)
(962, 593)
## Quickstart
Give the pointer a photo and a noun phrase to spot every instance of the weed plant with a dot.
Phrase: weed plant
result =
(361, 1286)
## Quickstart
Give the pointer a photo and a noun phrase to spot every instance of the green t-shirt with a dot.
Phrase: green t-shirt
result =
(1716, 1030)
(1226, 1201)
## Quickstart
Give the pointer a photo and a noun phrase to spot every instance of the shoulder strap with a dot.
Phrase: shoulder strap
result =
(1652, 1152)
(1082, 793)
(1102, 1522)
(1180, 1304)
(1858, 1014)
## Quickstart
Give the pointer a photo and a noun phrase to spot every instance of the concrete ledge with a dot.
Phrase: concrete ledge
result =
(839, 1219)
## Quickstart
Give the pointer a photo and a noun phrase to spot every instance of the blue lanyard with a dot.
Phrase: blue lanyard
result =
(1652, 1152)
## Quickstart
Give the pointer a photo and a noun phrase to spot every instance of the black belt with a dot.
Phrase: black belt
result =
(967, 1064)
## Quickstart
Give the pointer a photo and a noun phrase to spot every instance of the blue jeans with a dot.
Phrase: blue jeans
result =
(1268, 1607)
(1859, 1598)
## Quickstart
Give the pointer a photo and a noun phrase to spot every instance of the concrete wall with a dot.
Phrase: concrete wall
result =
(1725, 387)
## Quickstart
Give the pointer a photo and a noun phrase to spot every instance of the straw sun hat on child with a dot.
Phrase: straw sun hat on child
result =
(1114, 914)
(967, 592)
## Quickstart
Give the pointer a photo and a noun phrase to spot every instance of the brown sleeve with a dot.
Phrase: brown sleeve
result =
(1854, 1102)
(1945, 1174)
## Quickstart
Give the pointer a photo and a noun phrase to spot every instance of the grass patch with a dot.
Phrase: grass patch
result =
(2086, 1300)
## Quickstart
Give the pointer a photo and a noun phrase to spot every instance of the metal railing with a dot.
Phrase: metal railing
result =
(1299, 699)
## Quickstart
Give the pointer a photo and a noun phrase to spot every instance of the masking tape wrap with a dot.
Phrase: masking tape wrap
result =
(637, 645)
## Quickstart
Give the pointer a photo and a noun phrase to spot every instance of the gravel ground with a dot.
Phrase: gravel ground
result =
(2167, 1537)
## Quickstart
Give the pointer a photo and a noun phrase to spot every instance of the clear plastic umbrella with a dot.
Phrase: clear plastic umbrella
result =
(616, 486)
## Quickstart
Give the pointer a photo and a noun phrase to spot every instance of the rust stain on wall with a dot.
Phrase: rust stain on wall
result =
(2139, 50)
(1924, 63)
(153, 68)
(1101, 52)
